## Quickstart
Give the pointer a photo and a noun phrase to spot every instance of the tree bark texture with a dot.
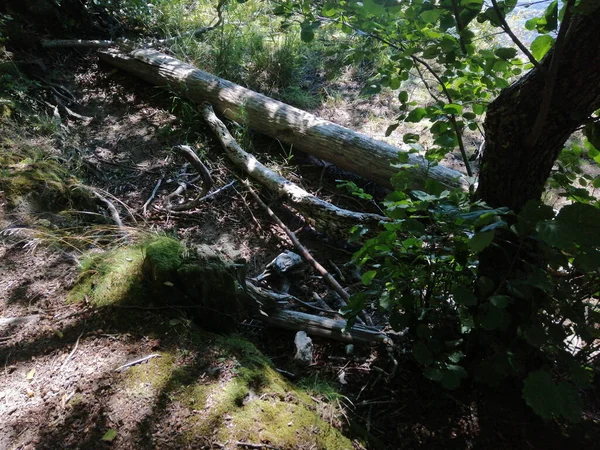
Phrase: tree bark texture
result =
(514, 170)
(345, 148)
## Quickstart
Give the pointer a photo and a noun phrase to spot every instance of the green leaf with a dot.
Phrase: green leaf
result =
(403, 96)
(390, 129)
(540, 393)
(500, 301)
(422, 353)
(533, 212)
(416, 115)
(464, 296)
(478, 108)
(431, 16)
(452, 376)
(550, 20)
(410, 138)
(481, 240)
(576, 224)
(433, 373)
(506, 53)
(571, 405)
(367, 277)
(307, 34)
(109, 436)
(536, 335)
(493, 318)
(541, 45)
(452, 108)
(466, 321)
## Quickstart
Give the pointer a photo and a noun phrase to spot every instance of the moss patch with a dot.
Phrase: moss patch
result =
(32, 173)
(110, 277)
(231, 392)
(163, 258)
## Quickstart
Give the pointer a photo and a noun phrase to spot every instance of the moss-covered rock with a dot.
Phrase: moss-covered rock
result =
(162, 260)
(208, 284)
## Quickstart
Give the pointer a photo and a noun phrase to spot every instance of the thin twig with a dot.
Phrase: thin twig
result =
(72, 352)
(459, 27)
(504, 25)
(114, 214)
(198, 201)
(301, 248)
(137, 361)
(207, 181)
(158, 183)
(251, 445)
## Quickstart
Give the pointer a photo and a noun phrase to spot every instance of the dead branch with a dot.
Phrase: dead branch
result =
(324, 327)
(76, 43)
(114, 214)
(326, 217)
(154, 191)
(301, 248)
(207, 181)
(137, 361)
(345, 148)
(9, 321)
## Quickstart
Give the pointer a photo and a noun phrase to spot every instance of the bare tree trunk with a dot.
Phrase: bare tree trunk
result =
(345, 148)
(514, 169)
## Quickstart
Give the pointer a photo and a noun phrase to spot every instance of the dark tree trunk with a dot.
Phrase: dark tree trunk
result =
(513, 170)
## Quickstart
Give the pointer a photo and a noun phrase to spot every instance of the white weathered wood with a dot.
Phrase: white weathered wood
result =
(324, 327)
(10, 321)
(327, 217)
(76, 43)
(341, 146)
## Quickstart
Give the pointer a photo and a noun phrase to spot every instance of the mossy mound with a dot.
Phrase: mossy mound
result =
(209, 285)
(230, 394)
(110, 277)
(35, 175)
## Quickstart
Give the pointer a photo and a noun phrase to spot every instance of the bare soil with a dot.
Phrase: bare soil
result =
(58, 385)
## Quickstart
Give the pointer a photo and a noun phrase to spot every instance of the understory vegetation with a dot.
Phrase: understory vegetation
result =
(485, 294)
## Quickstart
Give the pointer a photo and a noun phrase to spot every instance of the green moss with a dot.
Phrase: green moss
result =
(231, 392)
(163, 257)
(146, 380)
(30, 171)
(109, 277)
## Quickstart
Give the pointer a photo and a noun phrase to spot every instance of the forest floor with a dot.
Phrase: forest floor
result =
(58, 385)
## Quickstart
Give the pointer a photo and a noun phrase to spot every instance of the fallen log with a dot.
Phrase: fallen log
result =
(324, 327)
(347, 149)
(326, 217)
(76, 43)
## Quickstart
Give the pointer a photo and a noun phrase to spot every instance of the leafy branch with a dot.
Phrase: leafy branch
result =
(504, 25)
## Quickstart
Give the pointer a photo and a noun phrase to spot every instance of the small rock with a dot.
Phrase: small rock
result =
(304, 349)
(286, 262)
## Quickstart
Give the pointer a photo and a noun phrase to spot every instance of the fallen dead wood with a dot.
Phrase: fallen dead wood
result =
(207, 181)
(337, 287)
(76, 43)
(327, 217)
(345, 148)
(324, 327)
(10, 321)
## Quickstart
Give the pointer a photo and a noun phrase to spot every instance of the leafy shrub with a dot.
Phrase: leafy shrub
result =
(430, 271)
